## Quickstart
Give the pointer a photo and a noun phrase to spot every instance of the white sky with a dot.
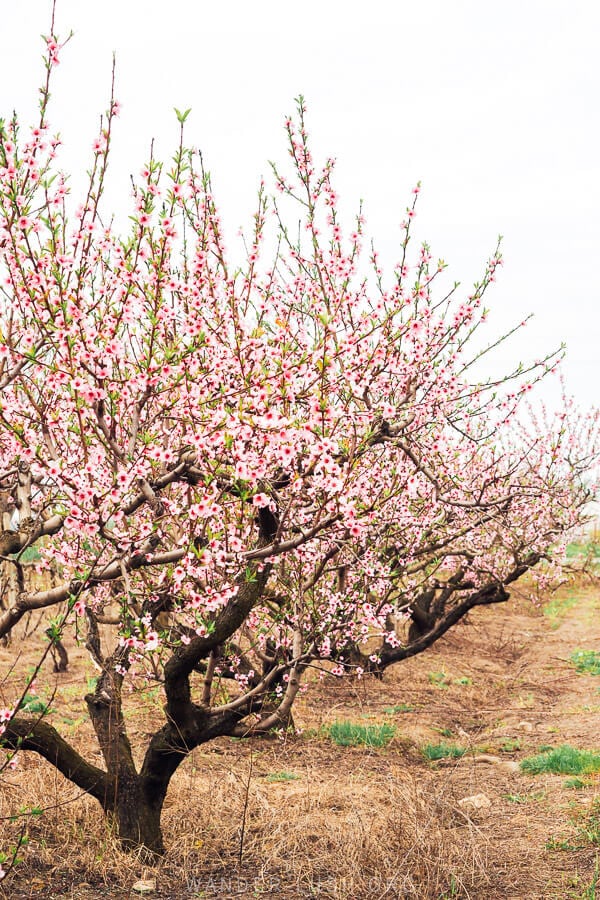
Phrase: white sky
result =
(495, 107)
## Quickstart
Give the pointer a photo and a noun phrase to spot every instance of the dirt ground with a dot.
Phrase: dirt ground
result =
(339, 823)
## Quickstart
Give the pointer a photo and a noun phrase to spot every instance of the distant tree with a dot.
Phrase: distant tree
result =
(246, 470)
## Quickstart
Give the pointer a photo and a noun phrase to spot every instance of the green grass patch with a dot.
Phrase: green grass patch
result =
(564, 760)
(590, 828)
(351, 734)
(282, 776)
(433, 752)
(438, 679)
(510, 746)
(574, 784)
(557, 607)
(586, 661)
(563, 844)
(517, 798)
(587, 835)
(399, 708)
(524, 798)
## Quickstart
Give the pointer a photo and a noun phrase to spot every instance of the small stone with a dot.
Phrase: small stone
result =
(508, 765)
(144, 886)
(477, 801)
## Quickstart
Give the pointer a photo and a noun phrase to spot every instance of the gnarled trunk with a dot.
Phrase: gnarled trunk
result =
(136, 817)
(133, 799)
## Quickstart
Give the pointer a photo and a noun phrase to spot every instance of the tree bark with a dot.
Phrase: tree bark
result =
(136, 817)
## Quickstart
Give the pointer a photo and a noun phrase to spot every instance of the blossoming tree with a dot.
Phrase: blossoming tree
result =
(236, 472)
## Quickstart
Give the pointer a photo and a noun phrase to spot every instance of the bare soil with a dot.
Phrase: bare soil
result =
(350, 823)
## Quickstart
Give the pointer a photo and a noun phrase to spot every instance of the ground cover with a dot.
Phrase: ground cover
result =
(358, 804)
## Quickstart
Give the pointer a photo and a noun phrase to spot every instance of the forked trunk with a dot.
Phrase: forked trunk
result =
(133, 802)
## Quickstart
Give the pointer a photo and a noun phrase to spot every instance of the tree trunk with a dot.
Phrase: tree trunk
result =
(135, 802)
(136, 817)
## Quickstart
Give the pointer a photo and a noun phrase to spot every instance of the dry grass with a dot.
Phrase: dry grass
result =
(371, 834)
(352, 822)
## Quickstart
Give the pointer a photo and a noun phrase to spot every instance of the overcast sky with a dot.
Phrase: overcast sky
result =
(495, 107)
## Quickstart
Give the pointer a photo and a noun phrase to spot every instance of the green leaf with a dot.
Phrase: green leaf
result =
(33, 704)
(182, 116)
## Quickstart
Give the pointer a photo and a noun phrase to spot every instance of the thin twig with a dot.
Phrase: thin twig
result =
(245, 810)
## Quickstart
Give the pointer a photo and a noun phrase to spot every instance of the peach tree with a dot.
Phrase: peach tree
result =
(238, 470)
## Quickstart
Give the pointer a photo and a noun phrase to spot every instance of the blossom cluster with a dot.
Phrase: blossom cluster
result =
(174, 423)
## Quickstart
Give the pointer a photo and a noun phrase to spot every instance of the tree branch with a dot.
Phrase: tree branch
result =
(25, 733)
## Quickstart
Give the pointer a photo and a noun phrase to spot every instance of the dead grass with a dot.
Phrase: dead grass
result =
(355, 822)
(370, 834)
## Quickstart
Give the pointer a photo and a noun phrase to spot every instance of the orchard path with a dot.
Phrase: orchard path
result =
(504, 686)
